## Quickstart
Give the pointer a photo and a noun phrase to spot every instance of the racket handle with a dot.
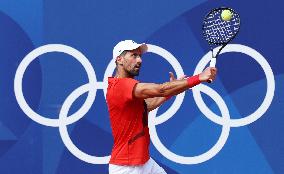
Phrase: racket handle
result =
(212, 64)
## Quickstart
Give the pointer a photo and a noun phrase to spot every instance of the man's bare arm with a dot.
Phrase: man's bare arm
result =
(153, 103)
(151, 90)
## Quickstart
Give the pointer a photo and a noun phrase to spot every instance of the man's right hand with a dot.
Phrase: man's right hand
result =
(208, 73)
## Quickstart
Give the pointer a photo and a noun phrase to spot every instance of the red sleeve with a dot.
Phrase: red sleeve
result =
(126, 86)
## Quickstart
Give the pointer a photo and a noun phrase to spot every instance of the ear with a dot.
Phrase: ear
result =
(119, 60)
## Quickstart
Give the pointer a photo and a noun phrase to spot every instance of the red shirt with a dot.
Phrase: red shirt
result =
(129, 123)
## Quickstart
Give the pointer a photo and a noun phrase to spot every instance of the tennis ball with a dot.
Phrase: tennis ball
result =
(226, 15)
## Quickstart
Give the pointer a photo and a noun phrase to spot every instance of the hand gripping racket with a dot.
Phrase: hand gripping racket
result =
(220, 26)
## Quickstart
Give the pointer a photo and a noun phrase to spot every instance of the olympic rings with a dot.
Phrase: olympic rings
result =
(93, 85)
(268, 97)
(19, 78)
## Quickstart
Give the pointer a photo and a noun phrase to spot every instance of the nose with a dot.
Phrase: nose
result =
(139, 59)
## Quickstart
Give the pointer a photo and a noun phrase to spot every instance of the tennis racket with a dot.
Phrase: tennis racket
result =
(219, 31)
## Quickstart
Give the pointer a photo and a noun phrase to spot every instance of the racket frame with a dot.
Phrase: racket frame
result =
(223, 44)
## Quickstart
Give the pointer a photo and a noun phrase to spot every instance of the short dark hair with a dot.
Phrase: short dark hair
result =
(122, 54)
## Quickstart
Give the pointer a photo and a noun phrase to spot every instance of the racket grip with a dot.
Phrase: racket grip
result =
(212, 64)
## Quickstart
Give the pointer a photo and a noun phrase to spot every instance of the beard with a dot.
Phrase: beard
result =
(132, 69)
(134, 72)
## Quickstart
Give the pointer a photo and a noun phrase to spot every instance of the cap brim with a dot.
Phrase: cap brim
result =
(143, 47)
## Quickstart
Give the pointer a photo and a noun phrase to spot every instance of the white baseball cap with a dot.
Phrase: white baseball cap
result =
(128, 45)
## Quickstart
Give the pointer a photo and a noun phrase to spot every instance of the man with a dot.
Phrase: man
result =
(129, 102)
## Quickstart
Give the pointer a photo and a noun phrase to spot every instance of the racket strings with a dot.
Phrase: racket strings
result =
(218, 31)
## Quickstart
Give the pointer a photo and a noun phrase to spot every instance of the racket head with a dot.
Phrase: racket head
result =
(217, 31)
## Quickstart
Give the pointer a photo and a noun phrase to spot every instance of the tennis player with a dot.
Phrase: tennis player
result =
(129, 102)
